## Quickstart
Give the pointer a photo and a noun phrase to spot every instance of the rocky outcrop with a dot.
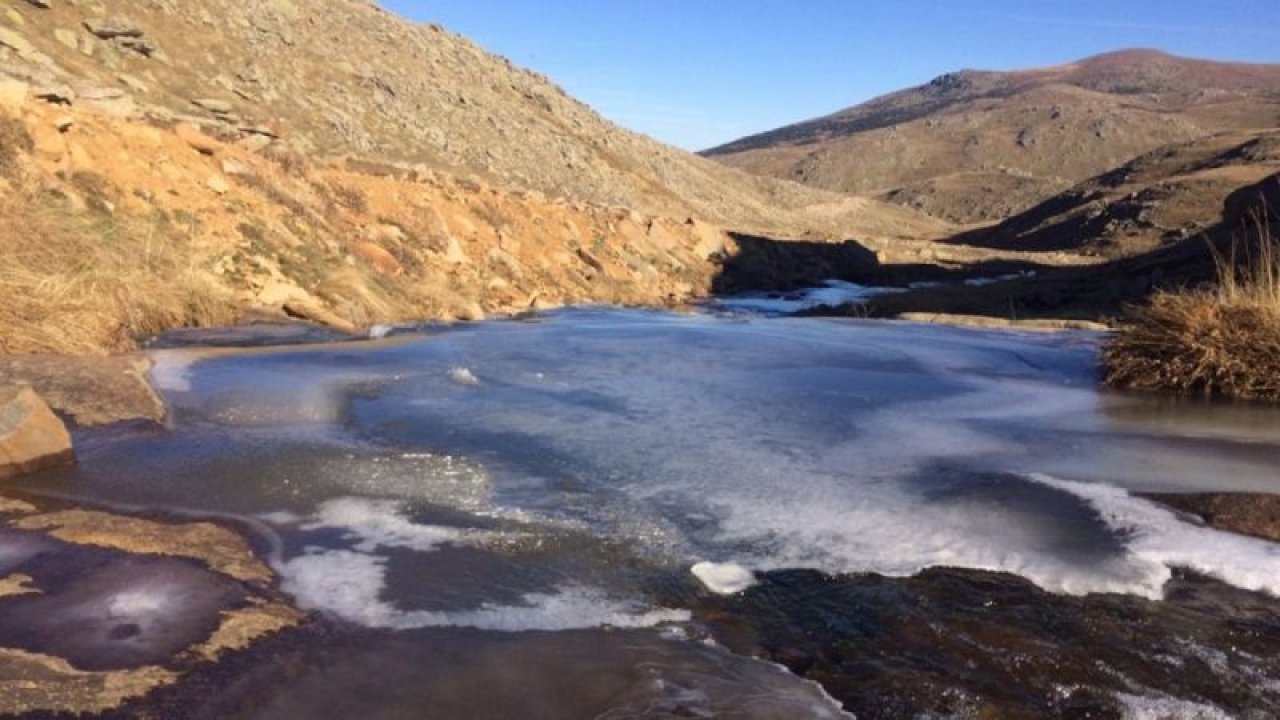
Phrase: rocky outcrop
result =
(90, 391)
(31, 436)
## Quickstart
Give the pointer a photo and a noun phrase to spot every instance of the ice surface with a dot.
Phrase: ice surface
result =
(764, 444)
(832, 293)
(1138, 707)
(171, 370)
(350, 585)
(1156, 536)
(463, 376)
(375, 524)
(723, 578)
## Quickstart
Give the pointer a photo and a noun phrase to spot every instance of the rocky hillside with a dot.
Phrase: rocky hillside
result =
(1165, 196)
(979, 146)
(332, 78)
(112, 229)
(189, 162)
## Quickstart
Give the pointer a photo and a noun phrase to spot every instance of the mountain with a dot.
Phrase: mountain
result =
(975, 146)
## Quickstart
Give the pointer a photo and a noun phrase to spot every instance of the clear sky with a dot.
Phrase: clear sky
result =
(696, 73)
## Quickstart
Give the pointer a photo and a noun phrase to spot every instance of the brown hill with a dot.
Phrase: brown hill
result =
(328, 78)
(1165, 222)
(979, 146)
(1167, 195)
(186, 162)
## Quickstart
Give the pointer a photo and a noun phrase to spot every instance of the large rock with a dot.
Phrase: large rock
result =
(31, 436)
(192, 135)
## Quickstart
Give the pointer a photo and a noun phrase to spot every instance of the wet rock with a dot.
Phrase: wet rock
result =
(92, 391)
(120, 607)
(951, 642)
(16, 584)
(119, 614)
(31, 436)
(222, 550)
(31, 682)
(1253, 514)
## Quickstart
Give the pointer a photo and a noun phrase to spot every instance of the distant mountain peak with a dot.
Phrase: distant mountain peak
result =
(1014, 137)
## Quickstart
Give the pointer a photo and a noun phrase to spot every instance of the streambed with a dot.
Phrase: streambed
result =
(613, 513)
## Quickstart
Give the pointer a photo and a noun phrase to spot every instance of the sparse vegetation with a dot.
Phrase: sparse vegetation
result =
(1223, 340)
(93, 283)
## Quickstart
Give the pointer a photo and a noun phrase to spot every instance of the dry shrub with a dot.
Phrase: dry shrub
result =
(361, 297)
(1219, 341)
(88, 283)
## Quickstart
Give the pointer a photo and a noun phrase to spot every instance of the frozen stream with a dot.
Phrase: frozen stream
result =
(590, 469)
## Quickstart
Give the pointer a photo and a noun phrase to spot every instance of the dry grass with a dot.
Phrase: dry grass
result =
(14, 141)
(1219, 341)
(86, 283)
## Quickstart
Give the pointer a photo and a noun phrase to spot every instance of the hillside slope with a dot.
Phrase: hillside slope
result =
(979, 146)
(1170, 194)
(113, 229)
(331, 78)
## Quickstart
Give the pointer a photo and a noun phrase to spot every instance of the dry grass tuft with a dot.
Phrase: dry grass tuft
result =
(14, 141)
(89, 283)
(1219, 341)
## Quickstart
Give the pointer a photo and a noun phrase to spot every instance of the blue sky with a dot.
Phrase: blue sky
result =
(696, 73)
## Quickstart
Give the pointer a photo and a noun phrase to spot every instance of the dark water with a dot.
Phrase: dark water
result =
(626, 514)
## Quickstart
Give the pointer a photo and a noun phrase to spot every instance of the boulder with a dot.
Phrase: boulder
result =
(218, 184)
(308, 308)
(191, 135)
(31, 436)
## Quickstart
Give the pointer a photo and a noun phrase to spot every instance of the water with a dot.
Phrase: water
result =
(581, 485)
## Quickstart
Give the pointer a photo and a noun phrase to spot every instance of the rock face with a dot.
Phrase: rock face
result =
(31, 436)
